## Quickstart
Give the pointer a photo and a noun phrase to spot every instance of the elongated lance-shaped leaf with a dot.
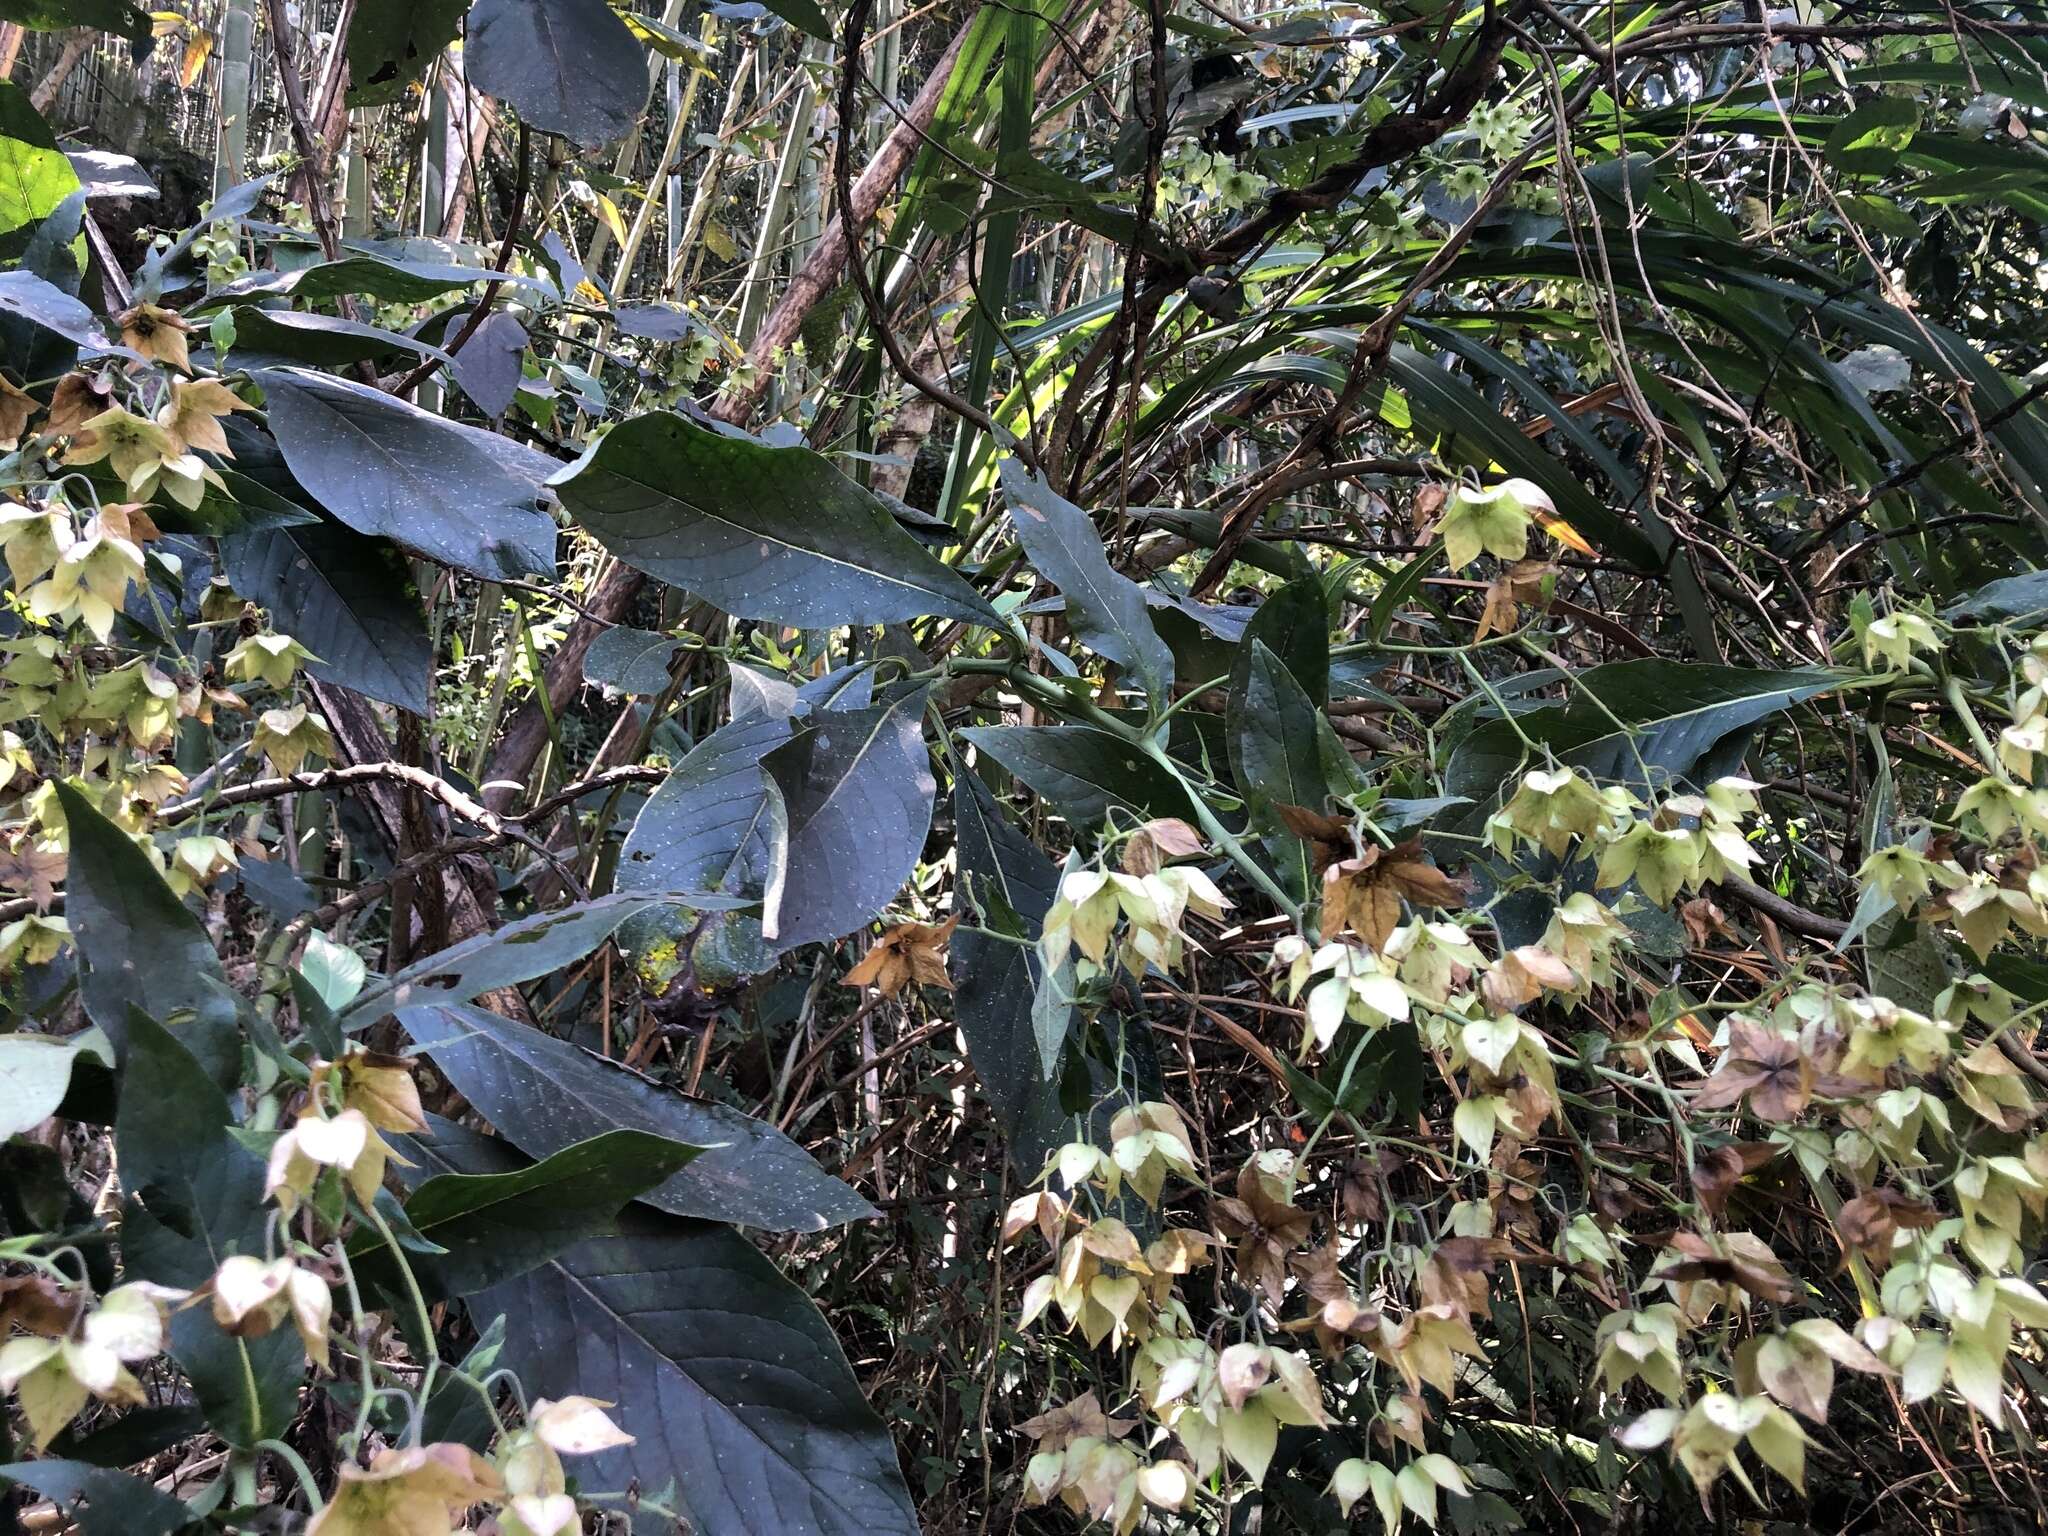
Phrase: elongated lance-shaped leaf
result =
(1105, 608)
(761, 532)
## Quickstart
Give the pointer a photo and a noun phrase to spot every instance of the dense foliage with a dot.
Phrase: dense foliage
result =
(1159, 765)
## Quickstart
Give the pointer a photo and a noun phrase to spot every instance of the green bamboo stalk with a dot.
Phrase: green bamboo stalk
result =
(237, 45)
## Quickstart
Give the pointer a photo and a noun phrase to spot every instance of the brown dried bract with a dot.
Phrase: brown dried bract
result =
(909, 952)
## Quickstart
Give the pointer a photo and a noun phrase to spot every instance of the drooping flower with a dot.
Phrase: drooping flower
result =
(251, 1297)
(346, 1142)
(421, 1491)
(157, 333)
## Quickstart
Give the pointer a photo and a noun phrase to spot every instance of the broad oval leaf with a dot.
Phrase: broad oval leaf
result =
(736, 1388)
(545, 1094)
(347, 598)
(455, 494)
(102, 1501)
(391, 43)
(568, 66)
(193, 1195)
(856, 790)
(35, 1072)
(630, 660)
(387, 279)
(1083, 771)
(761, 532)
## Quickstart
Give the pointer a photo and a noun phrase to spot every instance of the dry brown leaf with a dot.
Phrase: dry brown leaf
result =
(909, 952)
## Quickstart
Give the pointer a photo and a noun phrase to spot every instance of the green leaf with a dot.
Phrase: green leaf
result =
(1083, 771)
(804, 15)
(2006, 600)
(391, 43)
(140, 948)
(567, 66)
(25, 296)
(35, 1073)
(1105, 609)
(1273, 749)
(546, 1094)
(708, 827)
(456, 494)
(737, 1390)
(496, 1225)
(114, 1504)
(135, 1436)
(1668, 716)
(1294, 624)
(387, 279)
(521, 951)
(760, 532)
(630, 660)
(336, 974)
(116, 16)
(194, 1195)
(347, 598)
(1012, 885)
(856, 791)
(1867, 142)
(327, 341)
(35, 176)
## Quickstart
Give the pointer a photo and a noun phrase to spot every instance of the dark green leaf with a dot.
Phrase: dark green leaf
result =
(389, 280)
(113, 1503)
(1105, 609)
(521, 951)
(458, 495)
(736, 1388)
(1012, 885)
(348, 599)
(545, 1094)
(1294, 624)
(140, 948)
(566, 66)
(856, 791)
(630, 660)
(1867, 142)
(135, 1436)
(391, 43)
(194, 1196)
(327, 341)
(1082, 770)
(496, 1224)
(763, 533)
(488, 366)
(43, 304)
(2004, 600)
(708, 827)
(1671, 716)
(1273, 750)
(804, 15)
